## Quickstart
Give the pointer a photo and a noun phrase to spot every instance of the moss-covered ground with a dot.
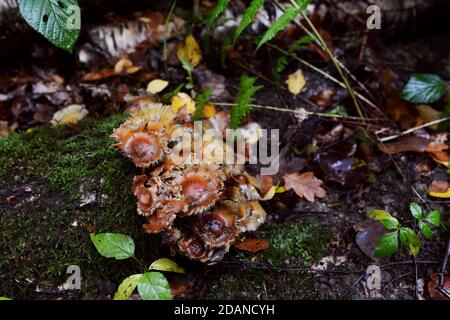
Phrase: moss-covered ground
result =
(58, 184)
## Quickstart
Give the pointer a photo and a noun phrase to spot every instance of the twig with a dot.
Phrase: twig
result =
(301, 111)
(166, 32)
(428, 124)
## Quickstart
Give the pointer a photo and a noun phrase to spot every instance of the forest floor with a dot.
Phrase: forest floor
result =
(58, 184)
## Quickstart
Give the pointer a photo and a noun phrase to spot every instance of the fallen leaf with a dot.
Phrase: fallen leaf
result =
(404, 144)
(122, 65)
(296, 82)
(445, 194)
(190, 51)
(428, 114)
(367, 236)
(432, 285)
(252, 245)
(438, 186)
(70, 114)
(209, 110)
(178, 289)
(156, 86)
(183, 100)
(305, 185)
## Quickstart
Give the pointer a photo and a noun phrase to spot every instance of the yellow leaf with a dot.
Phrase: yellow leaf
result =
(70, 114)
(165, 264)
(269, 195)
(190, 50)
(209, 110)
(440, 194)
(122, 65)
(183, 100)
(296, 82)
(156, 86)
(280, 189)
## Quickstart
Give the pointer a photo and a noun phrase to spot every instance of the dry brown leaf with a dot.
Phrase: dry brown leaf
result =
(305, 185)
(404, 144)
(438, 187)
(428, 114)
(433, 283)
(252, 245)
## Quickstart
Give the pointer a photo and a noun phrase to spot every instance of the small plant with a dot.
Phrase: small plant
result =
(151, 285)
(388, 244)
(243, 100)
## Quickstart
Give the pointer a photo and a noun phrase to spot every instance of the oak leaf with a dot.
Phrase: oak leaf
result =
(305, 185)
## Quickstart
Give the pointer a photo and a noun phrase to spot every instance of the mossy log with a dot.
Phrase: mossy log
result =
(57, 185)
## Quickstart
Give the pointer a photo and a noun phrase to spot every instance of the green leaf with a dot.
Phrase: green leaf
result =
(411, 239)
(243, 100)
(5, 298)
(416, 210)
(127, 287)
(248, 17)
(434, 217)
(387, 245)
(301, 43)
(113, 245)
(339, 110)
(280, 65)
(424, 88)
(215, 13)
(57, 20)
(165, 264)
(385, 218)
(154, 286)
(425, 229)
(279, 25)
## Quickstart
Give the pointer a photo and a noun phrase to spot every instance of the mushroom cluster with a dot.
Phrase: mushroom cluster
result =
(200, 208)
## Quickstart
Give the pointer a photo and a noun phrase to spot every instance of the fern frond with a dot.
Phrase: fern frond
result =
(248, 17)
(243, 100)
(215, 13)
(280, 24)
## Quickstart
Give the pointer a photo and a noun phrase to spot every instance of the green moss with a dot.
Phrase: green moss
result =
(293, 245)
(51, 171)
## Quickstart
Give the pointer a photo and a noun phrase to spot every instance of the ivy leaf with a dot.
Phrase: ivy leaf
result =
(165, 264)
(424, 88)
(127, 287)
(279, 25)
(434, 217)
(113, 245)
(411, 239)
(154, 286)
(387, 245)
(56, 20)
(248, 17)
(425, 229)
(416, 210)
(385, 218)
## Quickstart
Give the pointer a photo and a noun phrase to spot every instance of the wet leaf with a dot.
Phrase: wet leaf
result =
(368, 234)
(425, 229)
(154, 286)
(252, 245)
(305, 185)
(387, 245)
(405, 144)
(113, 245)
(127, 287)
(165, 264)
(424, 88)
(156, 86)
(410, 239)
(438, 186)
(434, 217)
(416, 210)
(385, 218)
(296, 82)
